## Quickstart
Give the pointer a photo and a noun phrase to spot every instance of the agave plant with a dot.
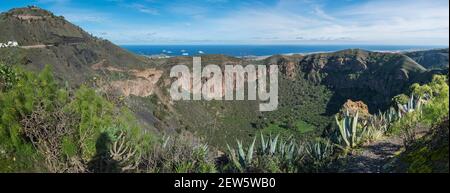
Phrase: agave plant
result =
(392, 115)
(348, 128)
(286, 149)
(373, 133)
(240, 158)
(319, 151)
(380, 122)
(412, 105)
(269, 146)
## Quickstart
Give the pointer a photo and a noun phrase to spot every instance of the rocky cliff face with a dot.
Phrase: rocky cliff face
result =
(355, 74)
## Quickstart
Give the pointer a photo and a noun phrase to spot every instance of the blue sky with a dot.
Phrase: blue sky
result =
(399, 22)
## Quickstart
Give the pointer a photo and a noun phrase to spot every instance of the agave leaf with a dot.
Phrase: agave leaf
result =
(273, 144)
(263, 143)
(354, 127)
(411, 103)
(250, 151)
(241, 153)
(234, 158)
(341, 125)
(165, 142)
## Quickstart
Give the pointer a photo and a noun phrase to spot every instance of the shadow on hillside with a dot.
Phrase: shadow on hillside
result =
(371, 99)
(102, 162)
(385, 149)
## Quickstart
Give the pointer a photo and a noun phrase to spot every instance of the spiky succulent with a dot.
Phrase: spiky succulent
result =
(241, 158)
(414, 104)
(319, 150)
(348, 128)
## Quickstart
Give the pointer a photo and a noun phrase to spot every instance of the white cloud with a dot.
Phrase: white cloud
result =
(375, 22)
(82, 15)
(144, 9)
(399, 21)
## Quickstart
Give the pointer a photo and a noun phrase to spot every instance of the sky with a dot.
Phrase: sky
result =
(383, 22)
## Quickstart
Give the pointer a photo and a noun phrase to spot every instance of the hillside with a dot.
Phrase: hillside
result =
(356, 74)
(430, 59)
(428, 154)
(48, 39)
(312, 89)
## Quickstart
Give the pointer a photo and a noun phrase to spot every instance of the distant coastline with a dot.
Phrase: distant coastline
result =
(260, 51)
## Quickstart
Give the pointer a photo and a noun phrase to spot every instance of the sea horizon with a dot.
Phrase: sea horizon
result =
(248, 50)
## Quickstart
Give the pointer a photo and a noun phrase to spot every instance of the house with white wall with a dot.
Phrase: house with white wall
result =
(9, 44)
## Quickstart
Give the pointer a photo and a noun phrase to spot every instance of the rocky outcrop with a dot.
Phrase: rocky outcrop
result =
(287, 64)
(141, 82)
(356, 107)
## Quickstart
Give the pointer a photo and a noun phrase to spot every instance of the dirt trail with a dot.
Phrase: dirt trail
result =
(36, 46)
(373, 157)
(376, 157)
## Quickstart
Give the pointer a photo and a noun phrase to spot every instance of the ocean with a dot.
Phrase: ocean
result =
(257, 50)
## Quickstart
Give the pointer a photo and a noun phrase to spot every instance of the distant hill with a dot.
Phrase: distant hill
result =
(49, 39)
(431, 59)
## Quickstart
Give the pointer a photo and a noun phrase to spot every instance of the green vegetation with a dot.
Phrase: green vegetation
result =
(299, 129)
(45, 127)
(429, 154)
(48, 127)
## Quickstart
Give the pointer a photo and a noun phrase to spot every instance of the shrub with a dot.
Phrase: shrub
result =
(45, 127)
(17, 103)
(8, 77)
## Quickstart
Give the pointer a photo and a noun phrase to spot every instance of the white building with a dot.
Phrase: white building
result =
(12, 44)
(9, 44)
